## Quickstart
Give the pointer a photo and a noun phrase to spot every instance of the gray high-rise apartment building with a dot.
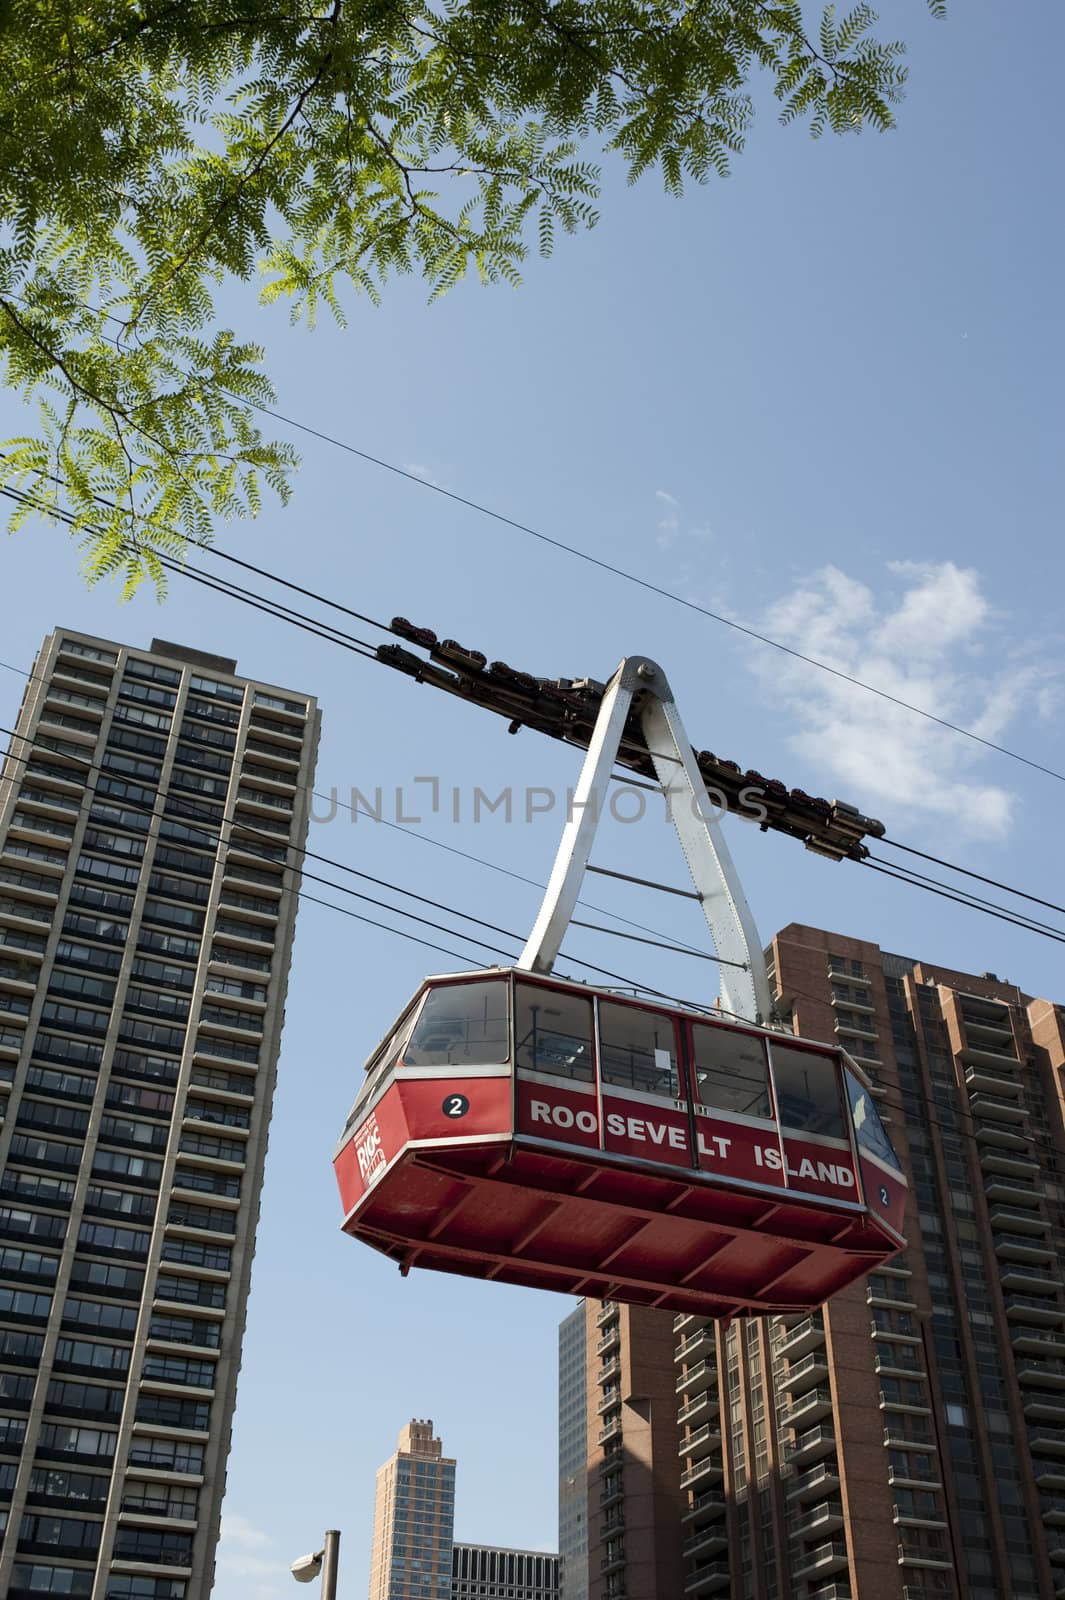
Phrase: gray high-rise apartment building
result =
(573, 1454)
(414, 1519)
(906, 1441)
(149, 809)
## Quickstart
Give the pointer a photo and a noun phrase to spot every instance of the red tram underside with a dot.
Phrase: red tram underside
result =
(527, 1194)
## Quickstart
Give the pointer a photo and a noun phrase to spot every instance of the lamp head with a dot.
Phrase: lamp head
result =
(307, 1568)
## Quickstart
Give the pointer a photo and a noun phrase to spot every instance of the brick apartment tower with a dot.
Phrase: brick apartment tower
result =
(149, 809)
(414, 1520)
(907, 1442)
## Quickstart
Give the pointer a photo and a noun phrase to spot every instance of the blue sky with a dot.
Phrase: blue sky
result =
(822, 398)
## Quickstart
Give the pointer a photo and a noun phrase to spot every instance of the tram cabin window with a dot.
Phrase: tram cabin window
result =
(807, 1088)
(637, 1049)
(461, 1025)
(553, 1032)
(379, 1068)
(730, 1071)
(867, 1124)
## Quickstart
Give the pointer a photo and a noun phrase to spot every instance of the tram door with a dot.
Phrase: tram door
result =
(645, 1103)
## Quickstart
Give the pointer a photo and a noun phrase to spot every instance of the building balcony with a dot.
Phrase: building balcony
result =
(998, 1108)
(858, 1029)
(889, 1367)
(826, 1558)
(1027, 1308)
(702, 1406)
(1025, 1247)
(811, 1407)
(1006, 1135)
(1009, 1164)
(608, 1402)
(1031, 1342)
(613, 1491)
(988, 1072)
(895, 1297)
(702, 1343)
(609, 1311)
(708, 1470)
(682, 1320)
(710, 1506)
(612, 1430)
(899, 1437)
(1029, 1280)
(703, 1370)
(849, 977)
(698, 1444)
(612, 1562)
(1044, 1438)
(1044, 1405)
(1053, 1512)
(1018, 1219)
(826, 1516)
(609, 1341)
(609, 1368)
(906, 1519)
(804, 1337)
(811, 1445)
(921, 1555)
(831, 1591)
(1012, 1191)
(709, 1540)
(904, 1480)
(815, 1484)
(1049, 1473)
(912, 1408)
(708, 1577)
(804, 1374)
(1046, 1374)
(864, 1005)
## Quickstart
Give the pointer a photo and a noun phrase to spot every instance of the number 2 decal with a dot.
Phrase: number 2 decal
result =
(456, 1105)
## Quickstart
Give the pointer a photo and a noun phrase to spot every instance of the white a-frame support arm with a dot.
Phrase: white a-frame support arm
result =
(744, 982)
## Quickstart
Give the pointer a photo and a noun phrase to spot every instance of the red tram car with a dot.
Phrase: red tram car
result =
(524, 1128)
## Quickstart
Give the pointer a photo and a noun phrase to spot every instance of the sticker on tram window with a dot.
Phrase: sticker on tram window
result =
(455, 1105)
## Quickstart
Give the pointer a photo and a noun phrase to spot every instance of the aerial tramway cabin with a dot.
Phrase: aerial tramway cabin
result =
(530, 1129)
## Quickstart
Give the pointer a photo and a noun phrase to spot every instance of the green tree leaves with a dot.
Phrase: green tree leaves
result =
(149, 150)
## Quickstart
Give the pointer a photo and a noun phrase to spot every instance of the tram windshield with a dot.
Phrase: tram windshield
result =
(868, 1128)
(462, 1025)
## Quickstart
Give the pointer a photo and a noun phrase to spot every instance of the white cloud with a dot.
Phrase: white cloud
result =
(426, 474)
(932, 640)
(672, 525)
(249, 1563)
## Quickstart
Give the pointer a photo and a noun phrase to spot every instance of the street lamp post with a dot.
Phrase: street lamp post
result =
(325, 1561)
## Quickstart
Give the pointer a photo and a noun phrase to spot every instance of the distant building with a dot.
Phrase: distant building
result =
(906, 1441)
(153, 805)
(487, 1572)
(414, 1520)
(573, 1455)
